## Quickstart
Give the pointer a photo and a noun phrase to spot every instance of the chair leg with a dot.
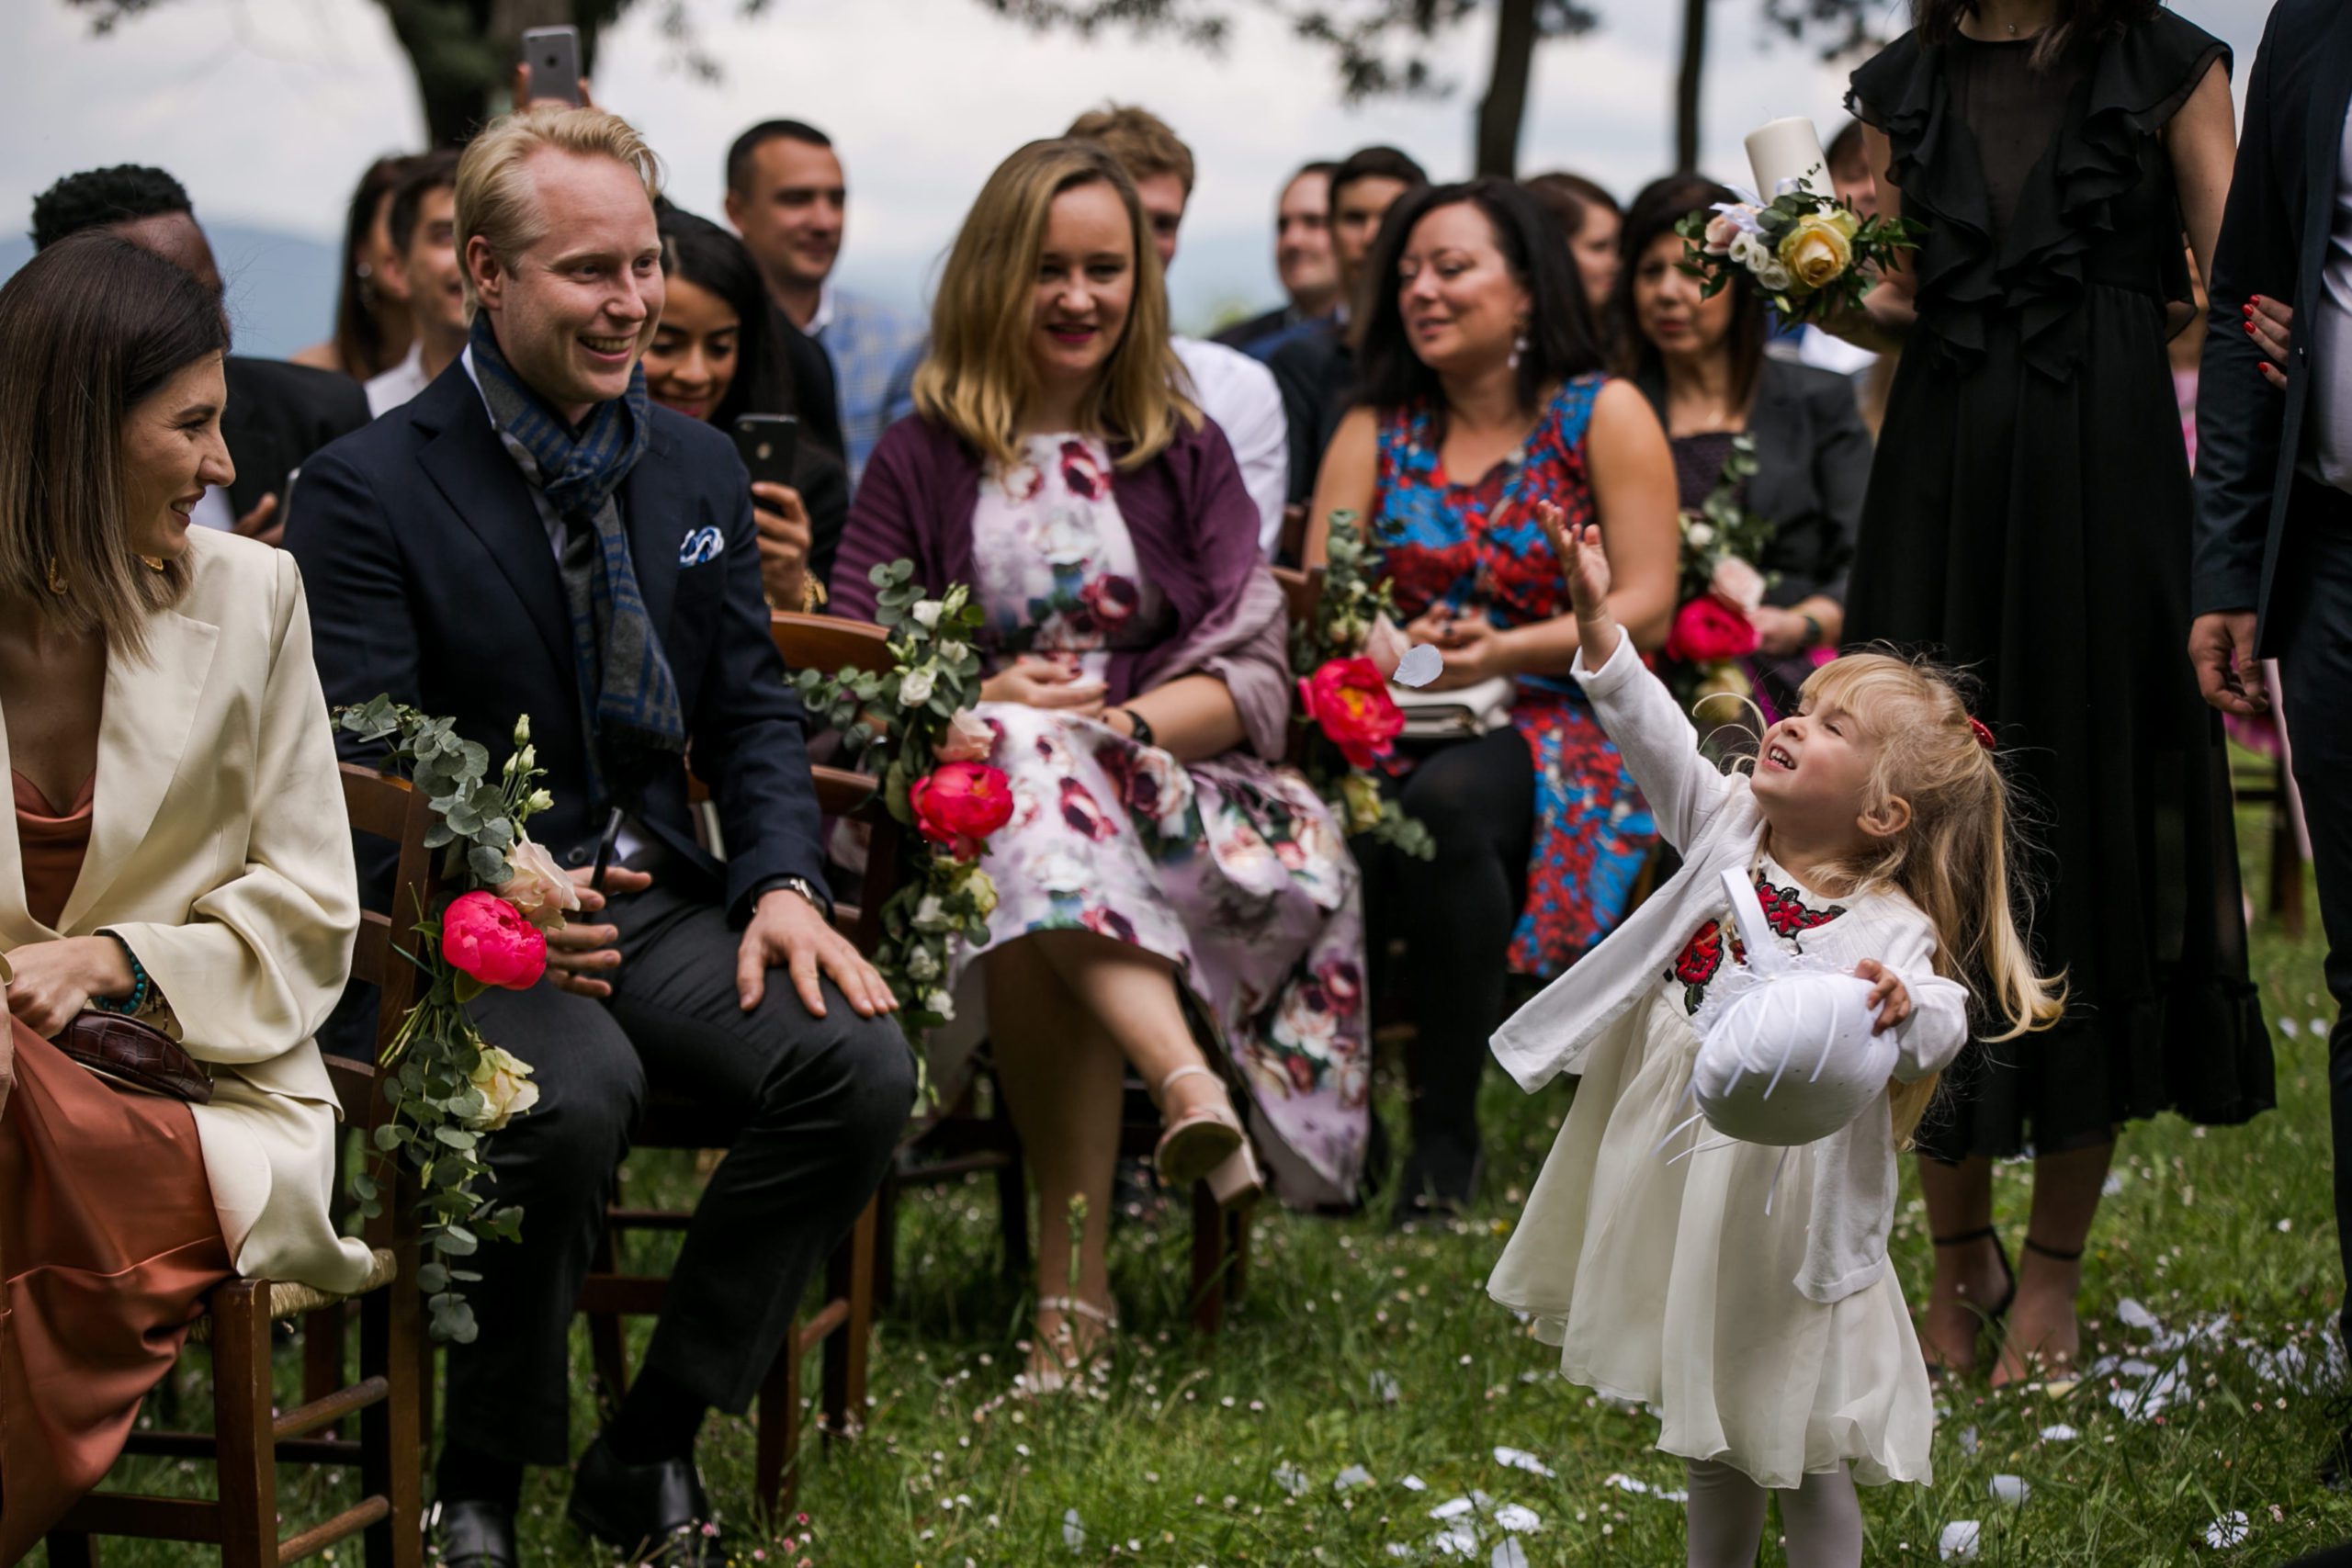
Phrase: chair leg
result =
(242, 1422)
(1012, 1203)
(1208, 1260)
(605, 1344)
(850, 1277)
(775, 1471)
(1236, 1255)
(886, 1230)
(72, 1550)
(323, 1335)
(391, 1433)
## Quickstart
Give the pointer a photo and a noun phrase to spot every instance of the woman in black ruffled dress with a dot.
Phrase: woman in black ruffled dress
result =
(2028, 517)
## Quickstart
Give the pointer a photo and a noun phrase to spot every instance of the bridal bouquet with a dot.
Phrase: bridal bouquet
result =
(1717, 587)
(1809, 255)
(1352, 647)
(449, 1086)
(912, 728)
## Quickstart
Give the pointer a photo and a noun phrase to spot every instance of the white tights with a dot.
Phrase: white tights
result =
(1822, 1517)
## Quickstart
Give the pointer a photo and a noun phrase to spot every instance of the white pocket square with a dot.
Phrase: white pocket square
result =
(704, 544)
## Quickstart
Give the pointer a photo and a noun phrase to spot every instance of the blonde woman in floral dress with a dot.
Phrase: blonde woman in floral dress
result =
(1169, 900)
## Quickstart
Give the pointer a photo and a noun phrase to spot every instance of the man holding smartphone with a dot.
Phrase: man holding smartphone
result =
(532, 535)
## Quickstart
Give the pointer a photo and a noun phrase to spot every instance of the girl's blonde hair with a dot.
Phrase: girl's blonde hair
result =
(1955, 859)
(978, 375)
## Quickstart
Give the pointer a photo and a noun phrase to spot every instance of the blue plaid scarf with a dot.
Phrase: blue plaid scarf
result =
(626, 690)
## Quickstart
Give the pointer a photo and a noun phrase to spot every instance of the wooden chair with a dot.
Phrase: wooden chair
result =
(250, 1441)
(1291, 545)
(1301, 592)
(2264, 780)
(844, 1322)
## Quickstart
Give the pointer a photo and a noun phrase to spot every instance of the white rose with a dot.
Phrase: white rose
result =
(940, 1002)
(1772, 274)
(914, 686)
(538, 886)
(951, 652)
(506, 1089)
(1748, 250)
(921, 967)
(931, 915)
(926, 613)
(1699, 534)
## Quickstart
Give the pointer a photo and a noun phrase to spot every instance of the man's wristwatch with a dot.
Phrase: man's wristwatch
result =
(799, 885)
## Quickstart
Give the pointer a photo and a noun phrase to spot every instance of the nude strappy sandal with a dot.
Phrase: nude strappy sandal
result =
(1208, 1145)
(1059, 1374)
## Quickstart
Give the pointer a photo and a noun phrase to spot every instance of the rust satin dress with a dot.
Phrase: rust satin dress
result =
(108, 1239)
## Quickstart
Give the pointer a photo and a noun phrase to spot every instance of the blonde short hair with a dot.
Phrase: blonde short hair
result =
(495, 197)
(1139, 140)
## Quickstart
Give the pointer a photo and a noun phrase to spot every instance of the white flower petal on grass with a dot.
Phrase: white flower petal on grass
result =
(1414, 1483)
(1958, 1543)
(1967, 1439)
(2319, 1029)
(1420, 665)
(1291, 1479)
(1385, 1387)
(1459, 1542)
(1355, 1476)
(2112, 1185)
(2289, 1028)
(1399, 1549)
(1508, 1554)
(2134, 1316)
(2060, 1433)
(2010, 1489)
(1625, 1483)
(2227, 1531)
(1516, 1519)
(1073, 1533)
(1520, 1458)
(1451, 1508)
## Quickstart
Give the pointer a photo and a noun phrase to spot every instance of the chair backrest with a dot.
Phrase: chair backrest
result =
(1292, 545)
(1302, 592)
(831, 644)
(390, 808)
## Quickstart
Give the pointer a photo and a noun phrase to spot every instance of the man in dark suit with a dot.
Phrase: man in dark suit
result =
(278, 413)
(531, 534)
(1303, 260)
(2272, 572)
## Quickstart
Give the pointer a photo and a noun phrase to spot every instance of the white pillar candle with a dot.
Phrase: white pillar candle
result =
(1787, 149)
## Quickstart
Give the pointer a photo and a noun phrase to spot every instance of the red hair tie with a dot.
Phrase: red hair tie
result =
(1983, 736)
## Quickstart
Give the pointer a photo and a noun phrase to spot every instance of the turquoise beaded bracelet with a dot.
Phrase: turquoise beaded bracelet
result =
(139, 988)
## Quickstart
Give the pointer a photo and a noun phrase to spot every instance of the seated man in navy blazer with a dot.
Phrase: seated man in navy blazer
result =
(530, 535)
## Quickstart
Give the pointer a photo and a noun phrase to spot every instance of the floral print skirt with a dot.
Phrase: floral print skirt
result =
(1233, 871)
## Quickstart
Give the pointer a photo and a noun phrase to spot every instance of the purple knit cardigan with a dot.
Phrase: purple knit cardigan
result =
(1195, 532)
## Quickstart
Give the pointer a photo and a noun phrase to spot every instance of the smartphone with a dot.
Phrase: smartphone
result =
(768, 443)
(553, 56)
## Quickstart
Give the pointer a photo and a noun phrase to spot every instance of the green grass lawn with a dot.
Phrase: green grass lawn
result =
(1378, 1357)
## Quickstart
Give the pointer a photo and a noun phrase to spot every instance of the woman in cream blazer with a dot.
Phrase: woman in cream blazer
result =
(178, 851)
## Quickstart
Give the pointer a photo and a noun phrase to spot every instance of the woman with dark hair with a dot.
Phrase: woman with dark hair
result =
(1702, 364)
(719, 352)
(1591, 220)
(176, 855)
(1482, 393)
(372, 330)
(2029, 514)
(1169, 898)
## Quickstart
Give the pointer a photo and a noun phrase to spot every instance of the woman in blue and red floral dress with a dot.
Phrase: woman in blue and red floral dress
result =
(1483, 395)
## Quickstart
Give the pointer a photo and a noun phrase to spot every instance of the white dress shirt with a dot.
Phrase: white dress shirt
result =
(398, 385)
(1240, 394)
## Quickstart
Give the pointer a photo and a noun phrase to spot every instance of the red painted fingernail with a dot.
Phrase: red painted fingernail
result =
(2254, 298)
(2249, 329)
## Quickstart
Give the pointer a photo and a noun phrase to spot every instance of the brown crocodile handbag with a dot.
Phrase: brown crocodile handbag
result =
(136, 1054)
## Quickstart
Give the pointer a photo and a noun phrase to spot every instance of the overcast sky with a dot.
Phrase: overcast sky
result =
(267, 109)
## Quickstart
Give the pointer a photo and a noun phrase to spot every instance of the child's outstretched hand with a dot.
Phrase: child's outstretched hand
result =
(1888, 994)
(1580, 556)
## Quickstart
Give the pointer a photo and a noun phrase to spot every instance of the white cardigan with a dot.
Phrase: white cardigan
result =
(220, 850)
(1712, 819)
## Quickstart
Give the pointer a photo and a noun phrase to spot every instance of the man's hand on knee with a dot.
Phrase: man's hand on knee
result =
(788, 931)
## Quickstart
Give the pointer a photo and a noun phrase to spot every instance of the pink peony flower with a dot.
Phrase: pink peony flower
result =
(487, 938)
(1350, 701)
(1707, 629)
(959, 805)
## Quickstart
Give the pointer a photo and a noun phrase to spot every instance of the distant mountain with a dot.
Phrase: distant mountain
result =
(281, 285)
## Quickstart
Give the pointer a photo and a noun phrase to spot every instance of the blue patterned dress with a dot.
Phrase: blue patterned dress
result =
(1475, 549)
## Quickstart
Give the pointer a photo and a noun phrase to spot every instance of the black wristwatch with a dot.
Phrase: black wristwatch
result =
(799, 885)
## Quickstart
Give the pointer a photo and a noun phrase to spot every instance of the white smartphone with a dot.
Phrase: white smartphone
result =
(553, 56)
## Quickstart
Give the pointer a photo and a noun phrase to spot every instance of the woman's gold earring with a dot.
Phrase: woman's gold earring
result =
(152, 563)
(57, 584)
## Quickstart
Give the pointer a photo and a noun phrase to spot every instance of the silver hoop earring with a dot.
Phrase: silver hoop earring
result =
(1518, 348)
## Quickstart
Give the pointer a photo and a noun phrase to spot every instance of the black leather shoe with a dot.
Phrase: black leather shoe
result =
(657, 1511)
(473, 1534)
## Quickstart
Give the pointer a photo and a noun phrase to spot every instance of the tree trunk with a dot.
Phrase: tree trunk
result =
(1687, 84)
(462, 53)
(1505, 105)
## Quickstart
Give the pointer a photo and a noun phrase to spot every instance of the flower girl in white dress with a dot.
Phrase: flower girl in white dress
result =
(1742, 1291)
